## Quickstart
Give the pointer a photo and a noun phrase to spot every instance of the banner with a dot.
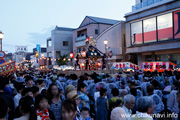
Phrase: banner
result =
(38, 48)
(125, 65)
(160, 66)
(7, 68)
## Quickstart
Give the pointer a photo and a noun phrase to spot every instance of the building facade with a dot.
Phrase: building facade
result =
(115, 35)
(90, 27)
(60, 43)
(153, 31)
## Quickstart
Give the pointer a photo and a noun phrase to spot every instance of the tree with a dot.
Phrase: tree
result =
(62, 60)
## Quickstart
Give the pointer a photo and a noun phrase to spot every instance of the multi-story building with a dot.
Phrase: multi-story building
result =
(90, 27)
(60, 43)
(115, 35)
(8, 57)
(153, 31)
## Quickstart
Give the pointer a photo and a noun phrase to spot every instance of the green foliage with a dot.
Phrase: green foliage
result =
(62, 60)
(30, 64)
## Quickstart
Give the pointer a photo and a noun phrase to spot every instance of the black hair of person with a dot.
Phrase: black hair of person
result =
(3, 108)
(81, 85)
(2, 82)
(26, 90)
(102, 91)
(39, 82)
(85, 109)
(38, 99)
(118, 102)
(49, 92)
(115, 92)
(28, 78)
(133, 91)
(27, 106)
(34, 89)
(69, 105)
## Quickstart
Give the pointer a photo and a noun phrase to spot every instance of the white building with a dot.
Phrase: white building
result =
(60, 43)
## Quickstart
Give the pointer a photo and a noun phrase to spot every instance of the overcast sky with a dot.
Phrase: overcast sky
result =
(29, 22)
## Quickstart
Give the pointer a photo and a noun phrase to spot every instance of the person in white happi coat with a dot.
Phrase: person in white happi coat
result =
(157, 101)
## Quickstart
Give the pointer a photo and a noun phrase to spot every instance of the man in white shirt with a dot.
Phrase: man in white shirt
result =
(18, 96)
(129, 102)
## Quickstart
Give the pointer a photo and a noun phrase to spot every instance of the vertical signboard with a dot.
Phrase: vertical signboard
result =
(177, 24)
(38, 48)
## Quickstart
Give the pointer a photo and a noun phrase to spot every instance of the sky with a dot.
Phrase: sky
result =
(29, 22)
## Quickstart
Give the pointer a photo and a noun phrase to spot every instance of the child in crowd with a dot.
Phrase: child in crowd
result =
(69, 110)
(41, 104)
(102, 106)
(85, 113)
(83, 97)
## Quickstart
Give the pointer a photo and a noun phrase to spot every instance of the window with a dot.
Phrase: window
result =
(165, 27)
(65, 43)
(49, 43)
(136, 33)
(149, 27)
(78, 50)
(58, 53)
(176, 24)
(96, 31)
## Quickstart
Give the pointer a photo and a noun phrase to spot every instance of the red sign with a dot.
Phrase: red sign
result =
(7, 68)
(2, 54)
(110, 54)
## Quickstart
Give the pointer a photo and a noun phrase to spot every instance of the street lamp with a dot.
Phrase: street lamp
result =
(1, 37)
(105, 43)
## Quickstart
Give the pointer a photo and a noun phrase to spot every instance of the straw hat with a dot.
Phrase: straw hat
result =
(73, 95)
(69, 88)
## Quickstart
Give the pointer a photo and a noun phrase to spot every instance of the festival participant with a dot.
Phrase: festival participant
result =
(172, 103)
(74, 95)
(54, 100)
(118, 113)
(35, 91)
(7, 98)
(41, 105)
(29, 81)
(27, 91)
(157, 101)
(8, 89)
(115, 93)
(102, 105)
(85, 113)
(40, 84)
(84, 98)
(69, 110)
(18, 96)
(129, 102)
(20, 78)
(145, 108)
(3, 109)
(27, 109)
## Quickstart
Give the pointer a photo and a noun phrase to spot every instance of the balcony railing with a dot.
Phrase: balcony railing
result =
(81, 38)
(145, 3)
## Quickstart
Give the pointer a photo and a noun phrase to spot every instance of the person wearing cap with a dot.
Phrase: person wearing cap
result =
(74, 95)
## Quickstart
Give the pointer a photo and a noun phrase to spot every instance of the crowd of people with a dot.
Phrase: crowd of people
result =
(134, 95)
